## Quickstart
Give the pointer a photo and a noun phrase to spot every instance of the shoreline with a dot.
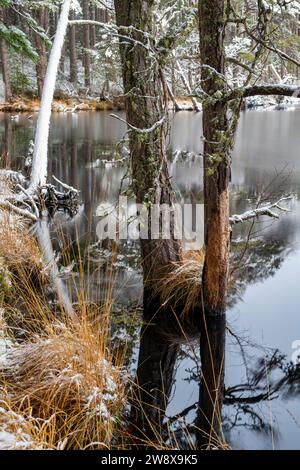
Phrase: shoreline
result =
(60, 105)
(75, 104)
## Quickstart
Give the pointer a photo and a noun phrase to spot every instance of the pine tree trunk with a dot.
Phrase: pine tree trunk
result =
(217, 147)
(73, 50)
(216, 158)
(144, 108)
(41, 67)
(93, 27)
(86, 45)
(5, 70)
(6, 143)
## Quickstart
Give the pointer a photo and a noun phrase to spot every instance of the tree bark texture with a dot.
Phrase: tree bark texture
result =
(145, 107)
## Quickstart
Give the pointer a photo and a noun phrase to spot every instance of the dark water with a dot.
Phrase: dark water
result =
(263, 313)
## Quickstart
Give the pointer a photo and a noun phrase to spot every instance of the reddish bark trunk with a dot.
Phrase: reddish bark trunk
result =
(217, 147)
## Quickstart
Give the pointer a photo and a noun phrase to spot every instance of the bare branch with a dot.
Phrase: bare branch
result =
(151, 129)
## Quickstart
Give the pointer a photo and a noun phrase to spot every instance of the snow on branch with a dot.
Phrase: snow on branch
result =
(267, 210)
(115, 31)
(6, 205)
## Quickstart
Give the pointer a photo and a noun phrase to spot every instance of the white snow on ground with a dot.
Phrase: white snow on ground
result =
(12, 435)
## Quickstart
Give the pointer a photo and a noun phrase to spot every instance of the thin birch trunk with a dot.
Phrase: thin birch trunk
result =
(40, 156)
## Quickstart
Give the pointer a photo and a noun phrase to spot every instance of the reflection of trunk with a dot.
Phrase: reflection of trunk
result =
(155, 374)
(41, 66)
(73, 51)
(5, 70)
(212, 347)
(216, 158)
(144, 108)
(74, 165)
(44, 240)
(5, 157)
(86, 45)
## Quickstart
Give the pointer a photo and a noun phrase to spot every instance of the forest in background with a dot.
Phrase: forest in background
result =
(90, 65)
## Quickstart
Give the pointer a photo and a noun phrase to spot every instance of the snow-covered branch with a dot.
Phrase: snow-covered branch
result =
(267, 210)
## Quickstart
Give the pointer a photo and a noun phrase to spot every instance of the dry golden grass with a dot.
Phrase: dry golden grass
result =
(24, 299)
(60, 387)
(66, 379)
(181, 286)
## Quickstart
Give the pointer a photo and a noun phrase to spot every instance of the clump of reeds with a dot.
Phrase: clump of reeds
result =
(180, 288)
(24, 277)
(66, 377)
(61, 386)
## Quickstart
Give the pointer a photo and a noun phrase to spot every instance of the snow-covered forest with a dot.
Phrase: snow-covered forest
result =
(149, 224)
(90, 64)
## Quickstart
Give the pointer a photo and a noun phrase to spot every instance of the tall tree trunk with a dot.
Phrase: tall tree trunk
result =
(145, 108)
(42, 16)
(217, 147)
(73, 50)
(6, 143)
(216, 157)
(4, 59)
(86, 45)
(93, 27)
(5, 70)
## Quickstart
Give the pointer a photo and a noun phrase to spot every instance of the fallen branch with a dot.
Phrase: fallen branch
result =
(6, 205)
(261, 211)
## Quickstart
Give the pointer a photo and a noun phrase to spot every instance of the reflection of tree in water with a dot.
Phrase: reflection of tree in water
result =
(163, 347)
(271, 375)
